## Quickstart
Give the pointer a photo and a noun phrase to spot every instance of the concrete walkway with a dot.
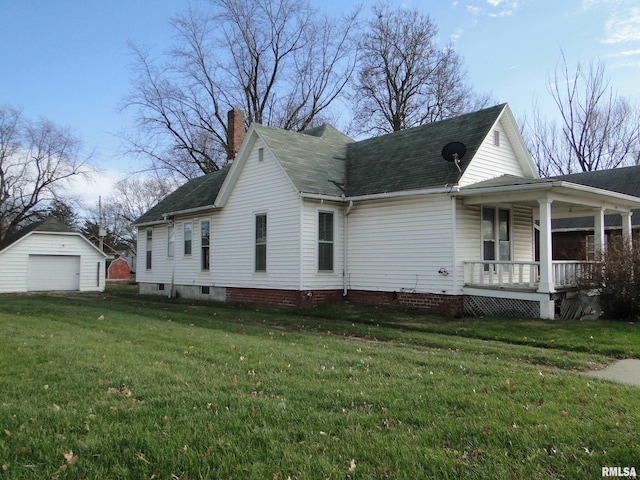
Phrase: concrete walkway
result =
(624, 371)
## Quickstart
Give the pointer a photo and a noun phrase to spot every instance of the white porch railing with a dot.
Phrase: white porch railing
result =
(566, 274)
(523, 275)
(501, 274)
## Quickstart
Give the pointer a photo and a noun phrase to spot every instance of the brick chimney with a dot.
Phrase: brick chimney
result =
(235, 133)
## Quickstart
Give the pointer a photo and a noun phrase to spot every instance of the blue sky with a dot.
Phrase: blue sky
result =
(68, 60)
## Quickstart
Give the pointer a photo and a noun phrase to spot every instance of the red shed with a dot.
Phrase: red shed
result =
(118, 269)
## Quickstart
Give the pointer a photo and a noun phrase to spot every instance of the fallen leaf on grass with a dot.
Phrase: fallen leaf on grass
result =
(140, 458)
(123, 390)
(101, 317)
(56, 408)
(352, 466)
(69, 458)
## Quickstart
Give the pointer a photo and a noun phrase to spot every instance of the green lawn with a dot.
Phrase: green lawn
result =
(117, 386)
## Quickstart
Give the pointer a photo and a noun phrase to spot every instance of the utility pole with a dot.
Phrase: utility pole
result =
(101, 230)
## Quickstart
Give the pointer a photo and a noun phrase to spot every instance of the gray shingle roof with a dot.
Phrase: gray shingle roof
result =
(199, 192)
(622, 180)
(412, 159)
(324, 161)
(46, 225)
(314, 160)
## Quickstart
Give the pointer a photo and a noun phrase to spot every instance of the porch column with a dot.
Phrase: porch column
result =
(546, 285)
(599, 239)
(546, 252)
(626, 229)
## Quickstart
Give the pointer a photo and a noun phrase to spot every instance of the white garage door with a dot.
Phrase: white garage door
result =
(53, 272)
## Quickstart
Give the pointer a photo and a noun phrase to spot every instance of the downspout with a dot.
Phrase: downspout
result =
(345, 251)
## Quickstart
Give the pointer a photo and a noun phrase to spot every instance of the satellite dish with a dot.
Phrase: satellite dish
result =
(453, 152)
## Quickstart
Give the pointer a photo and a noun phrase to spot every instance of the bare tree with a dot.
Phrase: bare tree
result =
(405, 78)
(596, 129)
(278, 60)
(131, 197)
(37, 161)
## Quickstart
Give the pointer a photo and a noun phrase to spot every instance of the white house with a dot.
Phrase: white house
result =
(313, 217)
(49, 256)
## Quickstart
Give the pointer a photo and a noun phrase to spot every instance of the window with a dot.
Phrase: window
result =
(591, 247)
(261, 242)
(325, 241)
(149, 248)
(496, 138)
(188, 230)
(171, 237)
(496, 234)
(260, 154)
(205, 235)
(205, 291)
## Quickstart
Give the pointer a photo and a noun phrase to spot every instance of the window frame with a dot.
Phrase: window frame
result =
(324, 244)
(260, 243)
(171, 240)
(187, 252)
(148, 249)
(205, 248)
(499, 238)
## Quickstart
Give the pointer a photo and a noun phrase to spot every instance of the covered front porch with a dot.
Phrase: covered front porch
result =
(540, 279)
(525, 276)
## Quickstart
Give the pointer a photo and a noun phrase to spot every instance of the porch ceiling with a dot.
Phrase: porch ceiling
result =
(568, 199)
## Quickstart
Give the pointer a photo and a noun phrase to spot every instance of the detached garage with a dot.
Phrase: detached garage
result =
(50, 256)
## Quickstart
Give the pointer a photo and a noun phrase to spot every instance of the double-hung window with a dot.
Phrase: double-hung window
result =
(171, 238)
(205, 237)
(188, 233)
(496, 234)
(149, 248)
(325, 241)
(261, 243)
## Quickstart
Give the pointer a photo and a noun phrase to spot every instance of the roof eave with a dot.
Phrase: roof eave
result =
(624, 200)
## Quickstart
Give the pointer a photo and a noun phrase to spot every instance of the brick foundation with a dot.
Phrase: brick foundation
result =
(447, 304)
(283, 298)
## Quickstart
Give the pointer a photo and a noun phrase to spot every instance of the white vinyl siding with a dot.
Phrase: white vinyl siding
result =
(400, 245)
(14, 262)
(263, 186)
(187, 269)
(469, 239)
(314, 279)
(492, 160)
(160, 261)
(523, 236)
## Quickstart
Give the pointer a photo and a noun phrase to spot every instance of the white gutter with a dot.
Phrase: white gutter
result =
(548, 185)
(383, 195)
(345, 252)
(190, 210)
(149, 224)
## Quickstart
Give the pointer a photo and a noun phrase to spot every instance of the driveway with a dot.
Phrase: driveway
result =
(624, 371)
